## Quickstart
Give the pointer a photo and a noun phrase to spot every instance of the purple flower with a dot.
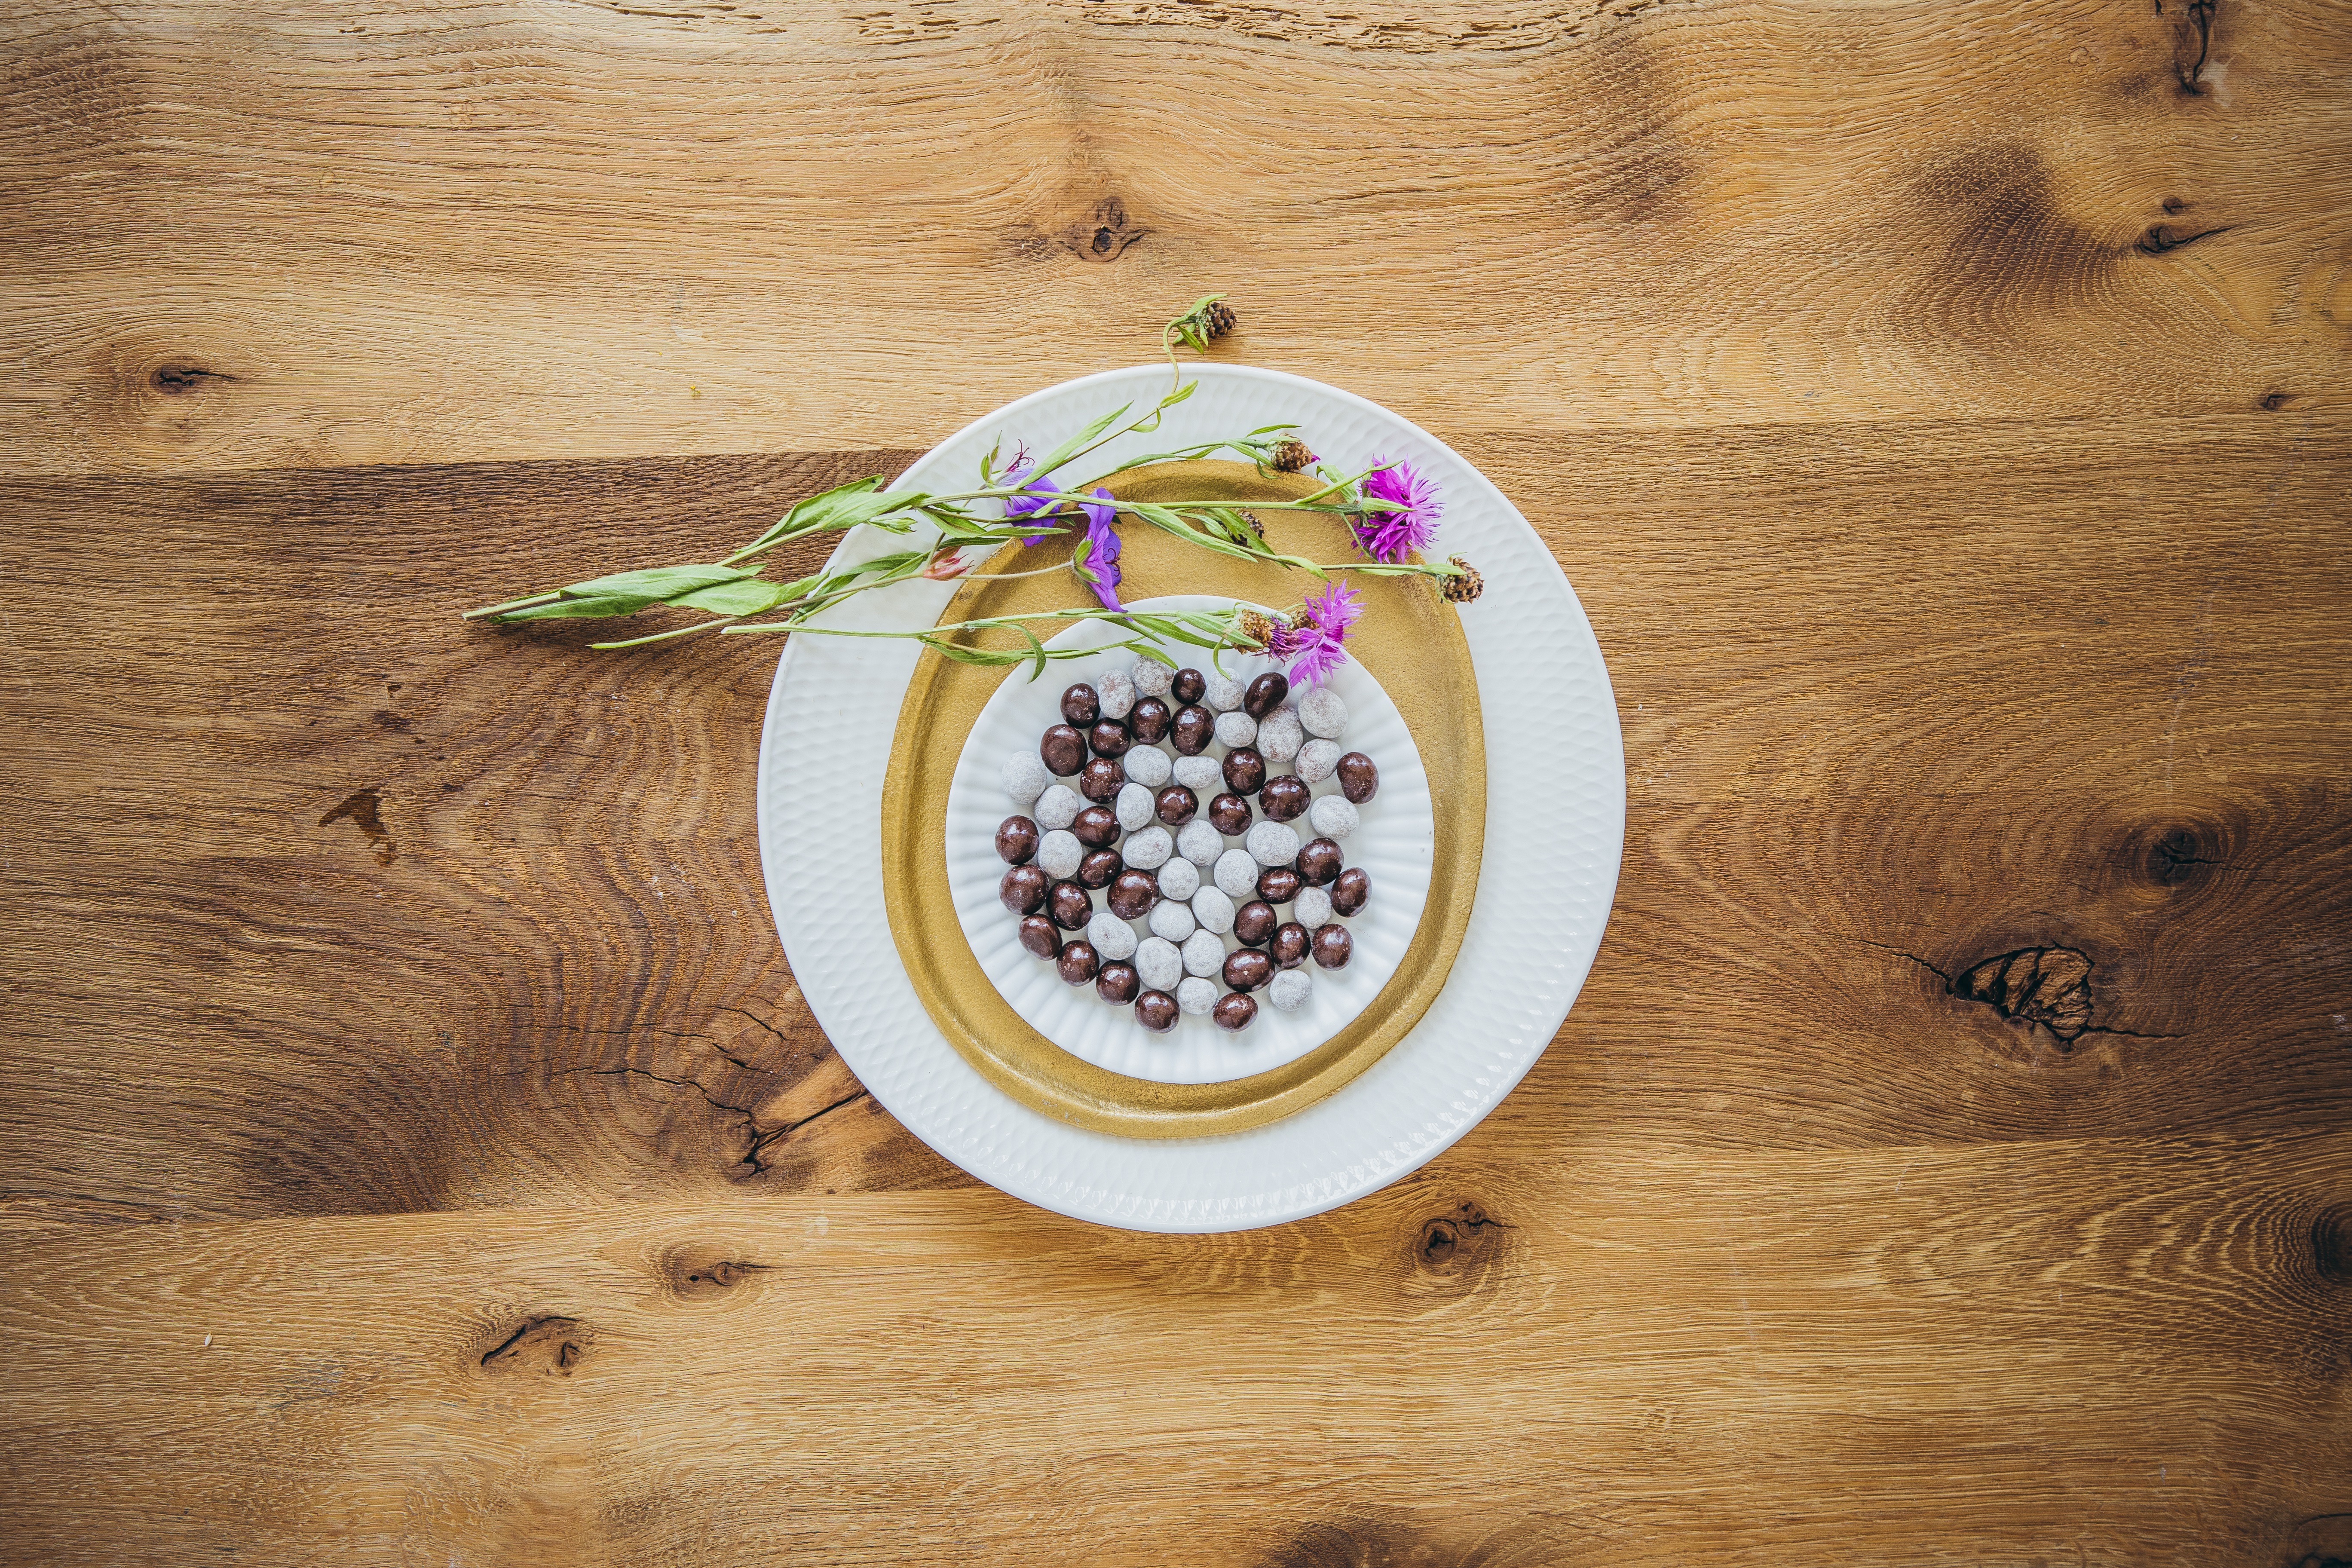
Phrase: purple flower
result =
(1391, 536)
(1101, 568)
(1026, 505)
(1316, 647)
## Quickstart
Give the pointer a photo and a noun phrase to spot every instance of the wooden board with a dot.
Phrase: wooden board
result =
(1942, 416)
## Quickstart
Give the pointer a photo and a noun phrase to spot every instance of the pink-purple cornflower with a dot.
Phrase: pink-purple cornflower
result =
(1316, 648)
(1391, 536)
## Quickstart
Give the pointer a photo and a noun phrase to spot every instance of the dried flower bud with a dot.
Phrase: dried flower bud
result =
(1289, 455)
(1465, 588)
(1217, 319)
(1255, 627)
(1256, 525)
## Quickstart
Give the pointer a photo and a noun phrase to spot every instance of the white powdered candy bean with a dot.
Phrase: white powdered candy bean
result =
(1289, 989)
(1150, 678)
(1236, 874)
(1311, 908)
(1172, 920)
(1059, 853)
(1272, 843)
(1280, 734)
(1203, 953)
(1159, 964)
(1179, 879)
(1202, 775)
(1334, 816)
(1025, 777)
(1215, 911)
(1196, 995)
(1146, 765)
(1110, 936)
(1235, 729)
(1115, 692)
(1200, 843)
(1148, 850)
(1323, 712)
(1318, 759)
(1059, 806)
(1224, 694)
(1133, 807)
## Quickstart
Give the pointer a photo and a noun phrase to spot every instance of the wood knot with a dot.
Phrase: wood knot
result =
(2179, 855)
(364, 811)
(552, 1347)
(1104, 237)
(700, 1273)
(176, 378)
(1455, 1243)
(2331, 1245)
(2050, 987)
(2271, 402)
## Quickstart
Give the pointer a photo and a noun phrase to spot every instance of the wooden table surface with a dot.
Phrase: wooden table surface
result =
(418, 1152)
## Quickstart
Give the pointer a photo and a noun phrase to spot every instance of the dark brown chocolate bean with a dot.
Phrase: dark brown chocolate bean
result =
(1359, 780)
(1188, 686)
(1318, 862)
(1175, 805)
(1022, 889)
(1101, 779)
(1265, 694)
(1079, 964)
(1245, 770)
(1040, 936)
(1110, 738)
(1118, 982)
(1247, 969)
(1080, 706)
(1255, 922)
(1098, 868)
(1285, 798)
(1132, 893)
(1097, 826)
(1334, 946)
(1230, 814)
(1194, 729)
(1235, 1012)
(1069, 906)
(1016, 841)
(1277, 884)
(1353, 891)
(1289, 948)
(1148, 719)
(1156, 1011)
(1064, 751)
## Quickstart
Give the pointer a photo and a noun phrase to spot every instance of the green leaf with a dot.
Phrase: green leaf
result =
(749, 597)
(1061, 453)
(657, 582)
(582, 609)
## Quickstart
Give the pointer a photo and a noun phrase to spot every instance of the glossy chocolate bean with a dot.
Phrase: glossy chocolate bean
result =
(1079, 964)
(1289, 948)
(1064, 751)
(1109, 738)
(1040, 936)
(1193, 729)
(1100, 867)
(1068, 904)
(1097, 828)
(1278, 884)
(1245, 770)
(1080, 706)
(1156, 1011)
(1132, 894)
(1175, 805)
(1247, 969)
(1147, 720)
(1255, 922)
(1359, 780)
(1353, 891)
(1285, 798)
(1118, 982)
(1235, 1012)
(1016, 841)
(1318, 862)
(1333, 946)
(1264, 694)
(1230, 814)
(1022, 889)
(1188, 686)
(1101, 779)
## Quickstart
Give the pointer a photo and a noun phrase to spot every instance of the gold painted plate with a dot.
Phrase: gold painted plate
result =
(1410, 640)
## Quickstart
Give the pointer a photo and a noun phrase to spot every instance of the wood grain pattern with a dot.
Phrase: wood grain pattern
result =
(1941, 412)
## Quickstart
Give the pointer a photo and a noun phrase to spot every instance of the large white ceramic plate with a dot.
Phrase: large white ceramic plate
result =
(1555, 832)
(1392, 843)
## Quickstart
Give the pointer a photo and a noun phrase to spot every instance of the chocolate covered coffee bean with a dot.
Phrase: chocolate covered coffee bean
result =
(1063, 751)
(1080, 706)
(1078, 963)
(1255, 922)
(1118, 982)
(1244, 771)
(1147, 720)
(1265, 694)
(1229, 815)
(1040, 936)
(1068, 904)
(1132, 893)
(1016, 841)
(1285, 798)
(1333, 946)
(1290, 945)
(1318, 862)
(1192, 731)
(1188, 686)
(1359, 779)
(1022, 889)
(1097, 828)
(1353, 891)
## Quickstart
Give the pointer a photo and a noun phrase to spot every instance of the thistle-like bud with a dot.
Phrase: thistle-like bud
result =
(1289, 455)
(1217, 319)
(1465, 588)
(1255, 627)
(1257, 524)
